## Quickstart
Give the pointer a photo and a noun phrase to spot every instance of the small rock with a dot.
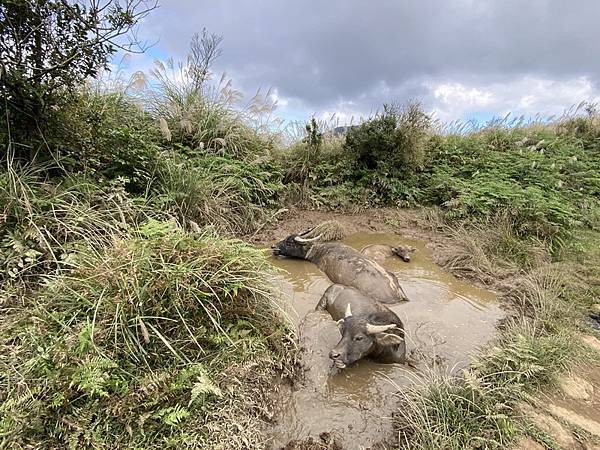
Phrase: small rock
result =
(595, 321)
(527, 443)
(596, 308)
(575, 387)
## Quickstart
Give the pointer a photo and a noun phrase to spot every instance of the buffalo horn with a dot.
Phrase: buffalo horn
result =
(372, 329)
(348, 311)
(307, 231)
(302, 240)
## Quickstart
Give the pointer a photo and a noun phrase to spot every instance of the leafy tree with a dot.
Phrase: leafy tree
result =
(49, 46)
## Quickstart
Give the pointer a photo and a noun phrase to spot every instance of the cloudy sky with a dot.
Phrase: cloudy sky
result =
(463, 59)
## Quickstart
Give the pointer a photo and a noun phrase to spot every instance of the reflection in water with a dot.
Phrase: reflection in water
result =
(446, 320)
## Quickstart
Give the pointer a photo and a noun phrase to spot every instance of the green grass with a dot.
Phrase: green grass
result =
(544, 178)
(121, 328)
(547, 298)
(46, 219)
(227, 193)
(163, 338)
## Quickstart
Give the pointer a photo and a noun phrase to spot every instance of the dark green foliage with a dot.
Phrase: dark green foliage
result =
(393, 142)
(48, 48)
(314, 138)
(108, 135)
(543, 181)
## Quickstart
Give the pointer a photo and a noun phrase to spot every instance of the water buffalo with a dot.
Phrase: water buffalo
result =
(368, 328)
(344, 265)
(378, 252)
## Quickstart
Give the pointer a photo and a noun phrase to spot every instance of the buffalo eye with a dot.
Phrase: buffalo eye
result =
(359, 338)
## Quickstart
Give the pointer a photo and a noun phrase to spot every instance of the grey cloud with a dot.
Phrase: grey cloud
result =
(323, 52)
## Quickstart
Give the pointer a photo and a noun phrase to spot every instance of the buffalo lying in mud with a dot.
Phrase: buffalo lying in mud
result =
(378, 252)
(368, 328)
(344, 265)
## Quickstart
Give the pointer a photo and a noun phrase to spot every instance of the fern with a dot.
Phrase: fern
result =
(173, 415)
(93, 377)
(203, 387)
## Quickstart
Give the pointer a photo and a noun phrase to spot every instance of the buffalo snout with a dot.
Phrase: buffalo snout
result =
(336, 358)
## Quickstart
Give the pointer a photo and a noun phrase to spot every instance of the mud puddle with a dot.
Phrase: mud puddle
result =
(446, 321)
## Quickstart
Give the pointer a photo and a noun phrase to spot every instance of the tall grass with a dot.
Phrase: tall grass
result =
(480, 409)
(207, 116)
(547, 299)
(147, 344)
(45, 219)
(224, 192)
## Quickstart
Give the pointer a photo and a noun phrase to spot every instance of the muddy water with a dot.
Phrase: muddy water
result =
(446, 321)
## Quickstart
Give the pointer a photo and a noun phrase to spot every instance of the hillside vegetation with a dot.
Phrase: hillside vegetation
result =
(134, 315)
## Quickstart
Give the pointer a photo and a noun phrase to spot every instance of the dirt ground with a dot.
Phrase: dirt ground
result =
(570, 414)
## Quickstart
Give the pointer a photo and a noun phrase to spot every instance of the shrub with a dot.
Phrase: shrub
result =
(393, 142)
(45, 220)
(107, 134)
(145, 344)
(545, 182)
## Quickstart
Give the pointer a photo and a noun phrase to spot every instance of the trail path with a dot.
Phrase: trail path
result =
(571, 415)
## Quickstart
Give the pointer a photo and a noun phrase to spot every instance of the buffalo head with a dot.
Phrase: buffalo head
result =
(295, 245)
(403, 252)
(361, 338)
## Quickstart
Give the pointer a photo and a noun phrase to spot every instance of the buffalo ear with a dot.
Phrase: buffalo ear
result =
(388, 339)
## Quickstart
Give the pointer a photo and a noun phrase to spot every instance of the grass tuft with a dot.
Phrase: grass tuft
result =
(330, 230)
(164, 338)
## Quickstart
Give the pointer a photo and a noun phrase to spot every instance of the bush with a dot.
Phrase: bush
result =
(393, 142)
(109, 135)
(545, 182)
(145, 344)
(44, 220)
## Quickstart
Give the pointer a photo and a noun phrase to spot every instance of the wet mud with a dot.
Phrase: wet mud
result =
(446, 321)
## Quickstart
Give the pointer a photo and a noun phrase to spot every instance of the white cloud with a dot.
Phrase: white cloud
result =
(452, 93)
(281, 102)
(528, 95)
